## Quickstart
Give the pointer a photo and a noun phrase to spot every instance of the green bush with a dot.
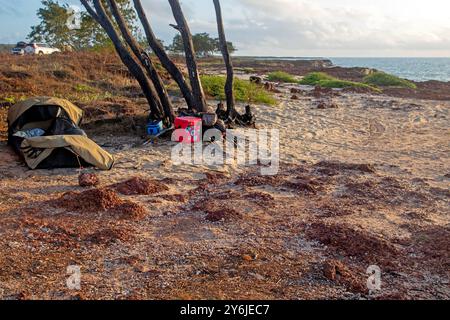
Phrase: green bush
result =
(314, 78)
(280, 76)
(387, 80)
(83, 88)
(244, 91)
(326, 81)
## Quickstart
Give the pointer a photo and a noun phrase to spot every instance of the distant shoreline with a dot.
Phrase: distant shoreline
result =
(418, 69)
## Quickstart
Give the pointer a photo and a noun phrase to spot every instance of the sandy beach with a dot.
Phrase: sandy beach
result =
(362, 183)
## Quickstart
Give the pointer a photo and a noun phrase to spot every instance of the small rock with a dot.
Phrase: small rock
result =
(324, 105)
(295, 97)
(255, 79)
(88, 180)
(257, 276)
(319, 92)
(247, 257)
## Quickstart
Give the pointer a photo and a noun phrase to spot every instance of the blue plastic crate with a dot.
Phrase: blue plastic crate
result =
(154, 128)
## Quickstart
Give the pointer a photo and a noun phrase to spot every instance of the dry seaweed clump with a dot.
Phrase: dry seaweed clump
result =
(100, 200)
(340, 273)
(361, 246)
(88, 180)
(140, 186)
(224, 214)
(110, 235)
(340, 166)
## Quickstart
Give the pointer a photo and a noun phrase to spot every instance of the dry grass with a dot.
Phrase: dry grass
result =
(97, 82)
(80, 77)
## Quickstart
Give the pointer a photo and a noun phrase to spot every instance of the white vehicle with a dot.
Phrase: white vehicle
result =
(40, 49)
(19, 49)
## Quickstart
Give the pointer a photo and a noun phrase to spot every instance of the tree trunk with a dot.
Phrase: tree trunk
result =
(191, 62)
(165, 60)
(145, 61)
(228, 63)
(135, 69)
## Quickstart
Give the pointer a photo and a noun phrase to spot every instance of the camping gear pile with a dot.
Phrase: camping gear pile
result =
(192, 127)
(45, 132)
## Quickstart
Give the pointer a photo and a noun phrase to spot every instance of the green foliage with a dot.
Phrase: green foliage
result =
(387, 80)
(326, 81)
(53, 27)
(245, 91)
(10, 100)
(204, 45)
(246, 70)
(314, 78)
(280, 76)
(83, 88)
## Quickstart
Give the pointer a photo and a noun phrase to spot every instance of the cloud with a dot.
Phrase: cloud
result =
(297, 27)
(322, 27)
(294, 27)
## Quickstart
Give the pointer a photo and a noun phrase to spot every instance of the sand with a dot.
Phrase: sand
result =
(379, 196)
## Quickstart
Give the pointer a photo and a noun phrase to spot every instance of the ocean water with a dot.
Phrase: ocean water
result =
(417, 69)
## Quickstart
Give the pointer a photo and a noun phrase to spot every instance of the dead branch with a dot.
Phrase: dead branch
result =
(99, 14)
(163, 57)
(145, 60)
(228, 63)
(191, 62)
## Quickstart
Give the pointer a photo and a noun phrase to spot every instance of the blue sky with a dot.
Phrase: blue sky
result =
(328, 28)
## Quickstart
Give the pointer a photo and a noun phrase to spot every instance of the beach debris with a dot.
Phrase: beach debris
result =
(323, 105)
(337, 271)
(256, 79)
(140, 186)
(319, 92)
(347, 241)
(296, 91)
(94, 200)
(295, 97)
(270, 86)
(223, 214)
(307, 186)
(247, 257)
(88, 180)
(342, 166)
(209, 119)
(100, 200)
(110, 235)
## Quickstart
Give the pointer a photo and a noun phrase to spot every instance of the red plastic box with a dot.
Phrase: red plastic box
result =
(192, 125)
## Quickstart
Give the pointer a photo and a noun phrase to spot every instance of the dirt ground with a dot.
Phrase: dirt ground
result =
(362, 183)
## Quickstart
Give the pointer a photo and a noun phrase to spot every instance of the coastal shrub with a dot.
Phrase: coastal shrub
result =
(383, 79)
(83, 88)
(280, 76)
(326, 81)
(244, 91)
(314, 78)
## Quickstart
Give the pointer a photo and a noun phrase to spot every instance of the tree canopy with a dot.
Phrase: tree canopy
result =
(55, 30)
(204, 45)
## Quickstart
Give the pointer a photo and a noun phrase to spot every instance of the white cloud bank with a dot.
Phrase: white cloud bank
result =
(291, 27)
(322, 27)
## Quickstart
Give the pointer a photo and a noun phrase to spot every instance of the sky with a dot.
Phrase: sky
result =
(313, 28)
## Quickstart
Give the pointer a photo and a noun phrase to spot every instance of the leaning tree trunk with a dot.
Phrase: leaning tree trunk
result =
(165, 60)
(191, 62)
(231, 112)
(145, 61)
(99, 14)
